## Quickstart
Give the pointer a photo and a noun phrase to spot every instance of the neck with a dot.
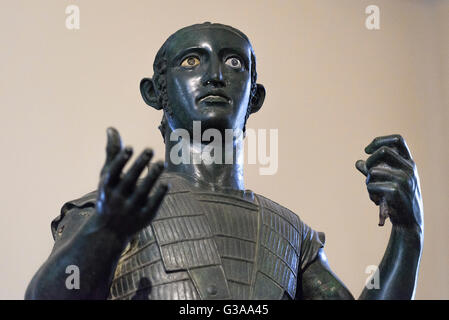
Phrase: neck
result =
(218, 164)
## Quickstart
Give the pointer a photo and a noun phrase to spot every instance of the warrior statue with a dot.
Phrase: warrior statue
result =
(189, 229)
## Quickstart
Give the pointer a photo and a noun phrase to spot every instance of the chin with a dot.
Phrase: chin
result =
(218, 123)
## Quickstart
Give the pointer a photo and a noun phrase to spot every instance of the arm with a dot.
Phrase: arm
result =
(122, 209)
(318, 282)
(398, 270)
(393, 184)
(397, 273)
(93, 250)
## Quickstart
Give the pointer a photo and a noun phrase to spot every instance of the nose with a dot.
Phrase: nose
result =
(214, 74)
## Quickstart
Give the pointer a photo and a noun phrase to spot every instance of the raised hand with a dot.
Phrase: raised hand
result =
(392, 181)
(123, 205)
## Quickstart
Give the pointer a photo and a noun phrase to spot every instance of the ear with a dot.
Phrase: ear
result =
(258, 99)
(148, 92)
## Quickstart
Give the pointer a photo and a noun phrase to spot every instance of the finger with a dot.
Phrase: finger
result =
(113, 172)
(141, 194)
(392, 197)
(113, 146)
(382, 173)
(361, 166)
(386, 174)
(386, 155)
(153, 203)
(395, 141)
(129, 180)
(379, 190)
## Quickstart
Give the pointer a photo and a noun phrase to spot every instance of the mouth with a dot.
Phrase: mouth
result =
(214, 98)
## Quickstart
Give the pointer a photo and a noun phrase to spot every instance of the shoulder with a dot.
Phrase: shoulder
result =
(286, 213)
(310, 241)
(283, 212)
(73, 213)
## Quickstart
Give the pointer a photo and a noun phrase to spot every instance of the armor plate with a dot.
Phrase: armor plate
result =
(212, 245)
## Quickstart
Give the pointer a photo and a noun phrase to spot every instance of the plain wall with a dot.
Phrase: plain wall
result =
(332, 86)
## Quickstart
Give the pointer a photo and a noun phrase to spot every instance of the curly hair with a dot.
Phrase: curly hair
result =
(160, 69)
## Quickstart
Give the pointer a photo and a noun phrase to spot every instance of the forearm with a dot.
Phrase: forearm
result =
(398, 270)
(95, 251)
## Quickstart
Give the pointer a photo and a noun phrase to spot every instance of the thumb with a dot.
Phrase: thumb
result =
(361, 166)
(113, 146)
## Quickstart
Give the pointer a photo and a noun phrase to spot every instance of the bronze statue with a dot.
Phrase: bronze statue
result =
(191, 230)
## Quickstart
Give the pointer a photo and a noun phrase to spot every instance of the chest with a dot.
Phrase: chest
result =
(210, 246)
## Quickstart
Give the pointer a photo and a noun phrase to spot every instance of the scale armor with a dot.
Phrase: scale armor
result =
(206, 244)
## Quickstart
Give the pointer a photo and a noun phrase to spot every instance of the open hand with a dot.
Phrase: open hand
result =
(123, 205)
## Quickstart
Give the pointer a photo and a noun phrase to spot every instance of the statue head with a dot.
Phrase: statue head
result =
(204, 72)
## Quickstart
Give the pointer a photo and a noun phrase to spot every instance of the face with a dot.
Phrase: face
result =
(208, 79)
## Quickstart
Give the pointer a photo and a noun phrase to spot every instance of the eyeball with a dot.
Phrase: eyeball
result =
(190, 62)
(234, 62)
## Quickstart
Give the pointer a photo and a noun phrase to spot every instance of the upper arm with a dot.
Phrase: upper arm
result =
(64, 228)
(73, 215)
(318, 282)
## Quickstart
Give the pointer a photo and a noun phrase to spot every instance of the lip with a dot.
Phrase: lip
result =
(214, 97)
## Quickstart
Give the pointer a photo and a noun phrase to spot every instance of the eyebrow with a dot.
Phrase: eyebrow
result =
(186, 51)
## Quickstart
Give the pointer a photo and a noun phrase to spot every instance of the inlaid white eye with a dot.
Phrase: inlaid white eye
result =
(234, 62)
(190, 62)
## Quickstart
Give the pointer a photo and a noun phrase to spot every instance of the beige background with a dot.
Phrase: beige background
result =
(332, 87)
